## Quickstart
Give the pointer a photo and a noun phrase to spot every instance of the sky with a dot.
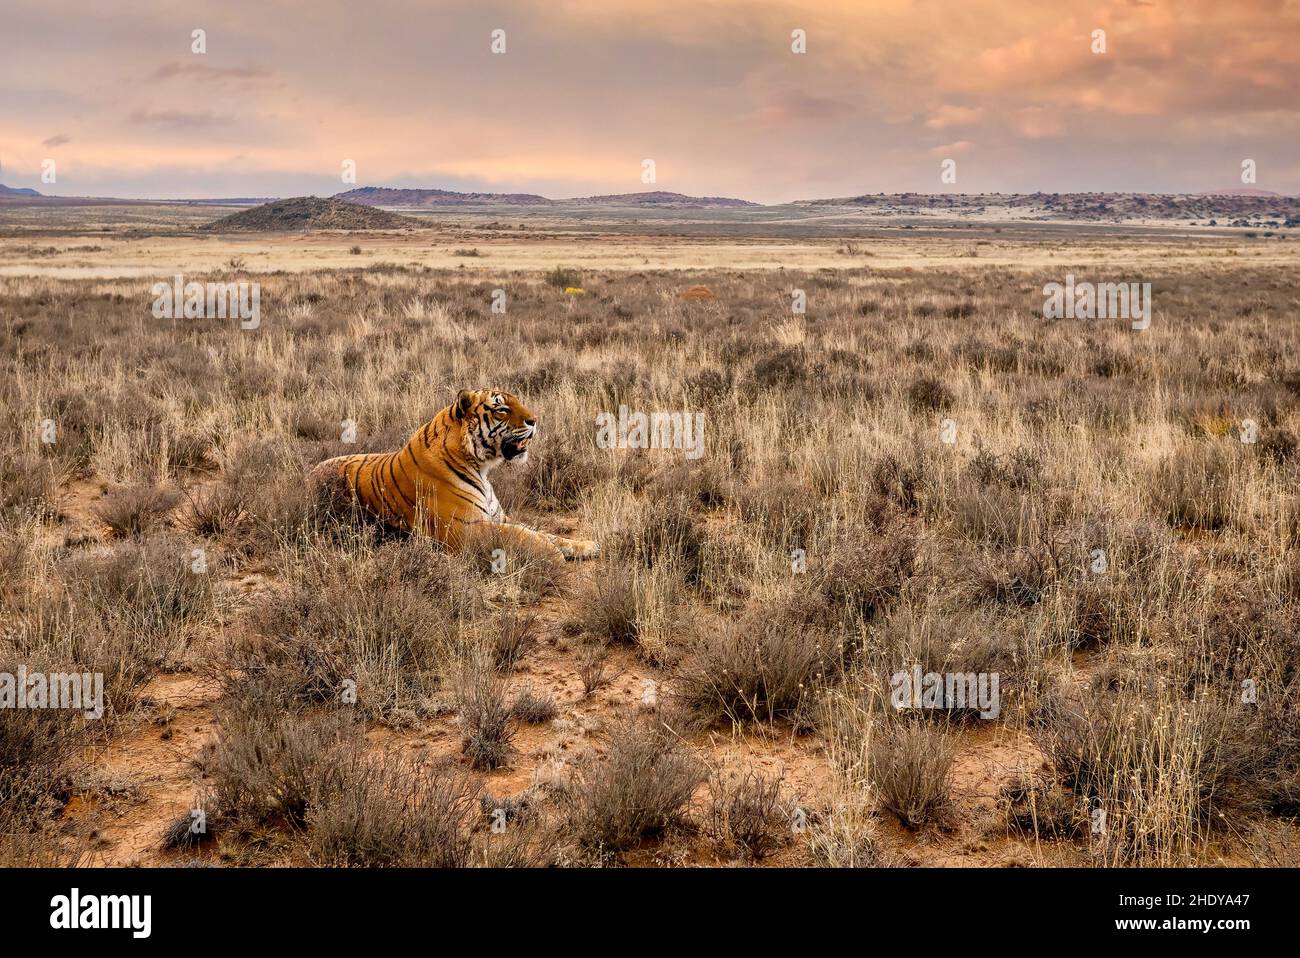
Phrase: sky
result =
(587, 90)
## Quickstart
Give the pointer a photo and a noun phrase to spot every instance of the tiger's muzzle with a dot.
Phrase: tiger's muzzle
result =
(516, 447)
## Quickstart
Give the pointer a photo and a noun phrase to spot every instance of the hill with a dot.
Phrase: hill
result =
(311, 213)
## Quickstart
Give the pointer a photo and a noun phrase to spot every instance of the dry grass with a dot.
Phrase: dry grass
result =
(827, 538)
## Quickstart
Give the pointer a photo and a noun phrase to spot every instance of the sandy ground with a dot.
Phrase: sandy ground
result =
(162, 257)
(157, 242)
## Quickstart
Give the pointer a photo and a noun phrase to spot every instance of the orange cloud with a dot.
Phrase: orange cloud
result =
(710, 89)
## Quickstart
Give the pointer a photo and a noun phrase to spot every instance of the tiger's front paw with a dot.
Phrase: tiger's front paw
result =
(579, 549)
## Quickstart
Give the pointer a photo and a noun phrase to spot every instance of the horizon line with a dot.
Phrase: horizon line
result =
(1225, 191)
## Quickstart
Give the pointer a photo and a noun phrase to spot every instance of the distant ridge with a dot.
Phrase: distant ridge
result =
(311, 213)
(1232, 208)
(1238, 191)
(17, 191)
(388, 196)
(659, 198)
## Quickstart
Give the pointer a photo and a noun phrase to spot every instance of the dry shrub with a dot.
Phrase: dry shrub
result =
(30, 486)
(911, 767)
(556, 480)
(180, 835)
(39, 756)
(219, 511)
(1279, 444)
(866, 572)
(593, 668)
(1096, 612)
(703, 482)
(899, 482)
(959, 642)
(132, 511)
(189, 450)
(268, 764)
(1021, 468)
(532, 845)
(765, 665)
(484, 716)
(780, 369)
(390, 811)
(929, 394)
(994, 515)
(533, 709)
(512, 636)
(607, 608)
(639, 789)
(109, 614)
(845, 838)
(1164, 769)
(646, 609)
(279, 508)
(1145, 579)
(562, 277)
(744, 814)
(1035, 569)
(519, 832)
(784, 511)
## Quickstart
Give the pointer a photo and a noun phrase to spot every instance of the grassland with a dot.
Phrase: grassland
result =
(329, 694)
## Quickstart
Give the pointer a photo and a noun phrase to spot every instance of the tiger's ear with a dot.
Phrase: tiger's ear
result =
(460, 408)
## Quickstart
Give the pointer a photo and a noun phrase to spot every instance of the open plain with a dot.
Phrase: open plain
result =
(916, 469)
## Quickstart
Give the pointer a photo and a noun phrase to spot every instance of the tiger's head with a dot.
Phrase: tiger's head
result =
(498, 427)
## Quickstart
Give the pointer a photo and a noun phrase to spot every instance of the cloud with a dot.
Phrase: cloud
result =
(949, 115)
(178, 119)
(204, 72)
(797, 106)
(57, 140)
(1036, 122)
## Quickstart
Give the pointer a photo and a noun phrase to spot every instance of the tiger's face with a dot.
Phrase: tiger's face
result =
(498, 427)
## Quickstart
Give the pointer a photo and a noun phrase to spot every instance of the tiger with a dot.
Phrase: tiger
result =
(438, 482)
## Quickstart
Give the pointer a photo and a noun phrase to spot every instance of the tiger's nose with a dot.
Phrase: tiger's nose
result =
(530, 422)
